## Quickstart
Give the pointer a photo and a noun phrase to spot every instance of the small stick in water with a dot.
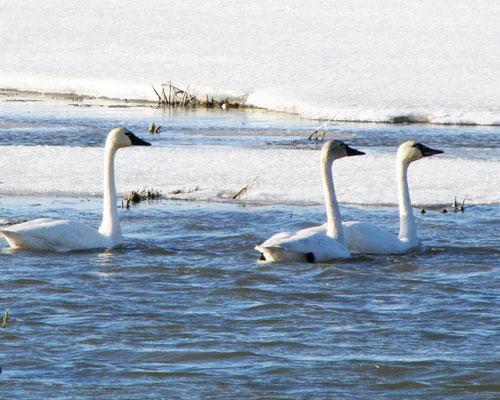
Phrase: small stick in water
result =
(245, 189)
(153, 128)
(159, 97)
(319, 134)
(184, 96)
(5, 319)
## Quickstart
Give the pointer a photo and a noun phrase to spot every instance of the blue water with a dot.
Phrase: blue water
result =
(40, 123)
(184, 309)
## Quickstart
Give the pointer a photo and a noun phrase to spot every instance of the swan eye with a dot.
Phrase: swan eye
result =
(418, 146)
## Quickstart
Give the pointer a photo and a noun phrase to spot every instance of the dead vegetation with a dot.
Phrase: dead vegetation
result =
(186, 191)
(456, 207)
(154, 129)
(245, 189)
(172, 96)
(319, 134)
(138, 196)
(5, 319)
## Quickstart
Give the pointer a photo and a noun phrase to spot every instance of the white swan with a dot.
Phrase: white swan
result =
(63, 235)
(315, 244)
(367, 238)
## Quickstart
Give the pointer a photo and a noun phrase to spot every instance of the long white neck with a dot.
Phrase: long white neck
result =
(407, 228)
(110, 225)
(333, 218)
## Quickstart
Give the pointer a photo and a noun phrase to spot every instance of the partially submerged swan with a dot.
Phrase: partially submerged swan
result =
(367, 238)
(315, 244)
(64, 235)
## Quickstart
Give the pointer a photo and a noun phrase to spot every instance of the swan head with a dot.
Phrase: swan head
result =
(122, 137)
(335, 149)
(412, 151)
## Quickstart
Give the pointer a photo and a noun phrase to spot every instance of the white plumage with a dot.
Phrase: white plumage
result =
(56, 235)
(319, 243)
(63, 235)
(366, 238)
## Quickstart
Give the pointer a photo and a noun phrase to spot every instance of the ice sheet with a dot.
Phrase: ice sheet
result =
(346, 60)
(282, 175)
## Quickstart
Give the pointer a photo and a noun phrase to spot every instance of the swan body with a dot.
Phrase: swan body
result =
(369, 238)
(319, 243)
(56, 235)
(366, 238)
(310, 244)
(64, 235)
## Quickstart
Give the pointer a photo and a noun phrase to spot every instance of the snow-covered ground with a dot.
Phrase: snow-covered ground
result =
(282, 175)
(346, 60)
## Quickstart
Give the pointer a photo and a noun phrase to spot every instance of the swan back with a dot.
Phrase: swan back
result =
(122, 137)
(56, 235)
(410, 151)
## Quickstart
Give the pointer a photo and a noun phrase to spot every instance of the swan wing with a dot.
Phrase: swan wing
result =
(54, 235)
(32, 223)
(363, 237)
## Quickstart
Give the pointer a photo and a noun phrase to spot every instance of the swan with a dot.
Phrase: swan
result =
(367, 238)
(315, 244)
(63, 235)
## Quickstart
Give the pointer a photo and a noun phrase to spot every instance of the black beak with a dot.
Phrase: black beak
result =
(427, 151)
(353, 152)
(136, 141)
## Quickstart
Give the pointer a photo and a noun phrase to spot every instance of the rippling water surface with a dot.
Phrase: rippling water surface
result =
(184, 310)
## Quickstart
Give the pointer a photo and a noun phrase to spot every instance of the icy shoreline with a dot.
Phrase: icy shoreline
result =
(282, 176)
(388, 116)
(427, 62)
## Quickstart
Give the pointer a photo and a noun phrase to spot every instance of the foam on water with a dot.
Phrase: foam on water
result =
(282, 175)
(424, 61)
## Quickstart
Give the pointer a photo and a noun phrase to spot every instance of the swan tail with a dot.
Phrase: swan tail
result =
(13, 239)
(18, 241)
(279, 254)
